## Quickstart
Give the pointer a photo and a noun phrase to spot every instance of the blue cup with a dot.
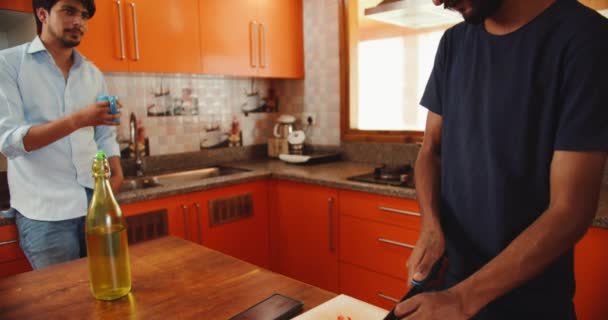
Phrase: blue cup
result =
(112, 100)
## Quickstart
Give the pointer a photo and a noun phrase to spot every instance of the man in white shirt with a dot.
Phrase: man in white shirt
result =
(50, 130)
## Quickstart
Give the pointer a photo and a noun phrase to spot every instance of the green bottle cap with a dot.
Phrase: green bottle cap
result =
(100, 155)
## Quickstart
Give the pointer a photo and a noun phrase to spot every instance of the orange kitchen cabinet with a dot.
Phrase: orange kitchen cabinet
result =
(281, 39)
(377, 235)
(379, 247)
(144, 36)
(244, 236)
(384, 209)
(304, 233)
(16, 5)
(179, 214)
(590, 266)
(262, 38)
(371, 287)
(104, 43)
(12, 259)
(227, 37)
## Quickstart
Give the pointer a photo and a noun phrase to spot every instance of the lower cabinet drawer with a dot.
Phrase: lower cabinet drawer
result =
(9, 244)
(10, 250)
(390, 210)
(375, 288)
(376, 246)
(14, 267)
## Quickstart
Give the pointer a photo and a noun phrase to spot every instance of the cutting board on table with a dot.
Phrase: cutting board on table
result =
(345, 306)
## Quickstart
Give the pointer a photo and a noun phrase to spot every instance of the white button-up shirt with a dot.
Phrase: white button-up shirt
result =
(48, 183)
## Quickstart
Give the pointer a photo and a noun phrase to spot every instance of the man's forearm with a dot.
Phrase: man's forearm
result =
(41, 135)
(117, 174)
(428, 172)
(528, 255)
(575, 183)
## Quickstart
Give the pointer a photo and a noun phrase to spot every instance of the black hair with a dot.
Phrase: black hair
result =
(48, 4)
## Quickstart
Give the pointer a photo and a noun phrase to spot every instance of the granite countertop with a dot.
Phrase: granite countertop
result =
(332, 174)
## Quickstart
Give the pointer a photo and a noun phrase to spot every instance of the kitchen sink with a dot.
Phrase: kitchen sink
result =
(129, 184)
(177, 177)
(195, 175)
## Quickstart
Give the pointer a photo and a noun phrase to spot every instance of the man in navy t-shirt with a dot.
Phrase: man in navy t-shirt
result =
(509, 173)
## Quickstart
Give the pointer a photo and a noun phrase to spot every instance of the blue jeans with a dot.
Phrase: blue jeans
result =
(45, 243)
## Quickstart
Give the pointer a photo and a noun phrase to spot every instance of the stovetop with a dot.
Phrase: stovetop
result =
(396, 176)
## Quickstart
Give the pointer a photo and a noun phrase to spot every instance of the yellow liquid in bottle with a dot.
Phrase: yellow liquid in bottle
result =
(108, 257)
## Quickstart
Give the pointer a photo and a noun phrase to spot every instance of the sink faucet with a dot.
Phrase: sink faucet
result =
(139, 168)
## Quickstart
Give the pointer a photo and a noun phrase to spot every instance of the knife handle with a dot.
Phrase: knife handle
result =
(418, 286)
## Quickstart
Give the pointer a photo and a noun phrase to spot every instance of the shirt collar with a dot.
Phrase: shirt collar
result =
(37, 46)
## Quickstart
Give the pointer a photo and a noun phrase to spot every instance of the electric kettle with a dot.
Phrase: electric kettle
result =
(284, 126)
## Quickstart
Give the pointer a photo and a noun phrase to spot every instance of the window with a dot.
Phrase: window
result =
(384, 73)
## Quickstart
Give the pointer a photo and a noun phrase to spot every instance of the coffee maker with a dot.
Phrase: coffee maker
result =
(278, 144)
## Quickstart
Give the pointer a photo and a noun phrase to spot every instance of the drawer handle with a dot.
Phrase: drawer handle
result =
(198, 221)
(254, 31)
(135, 35)
(185, 210)
(396, 243)
(409, 213)
(263, 46)
(330, 216)
(122, 36)
(4, 243)
(383, 296)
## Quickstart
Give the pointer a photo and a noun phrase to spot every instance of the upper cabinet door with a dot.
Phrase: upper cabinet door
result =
(16, 5)
(163, 36)
(229, 43)
(105, 42)
(281, 39)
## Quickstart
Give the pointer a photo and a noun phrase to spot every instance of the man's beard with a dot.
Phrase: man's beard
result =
(65, 39)
(480, 9)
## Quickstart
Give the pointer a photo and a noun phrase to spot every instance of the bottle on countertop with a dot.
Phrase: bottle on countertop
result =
(106, 238)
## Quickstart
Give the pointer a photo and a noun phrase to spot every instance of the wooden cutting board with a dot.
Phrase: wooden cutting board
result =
(345, 306)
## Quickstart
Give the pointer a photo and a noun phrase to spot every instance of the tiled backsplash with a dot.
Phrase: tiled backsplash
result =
(380, 153)
(220, 102)
(319, 92)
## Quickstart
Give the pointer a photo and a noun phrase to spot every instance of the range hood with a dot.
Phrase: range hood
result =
(414, 14)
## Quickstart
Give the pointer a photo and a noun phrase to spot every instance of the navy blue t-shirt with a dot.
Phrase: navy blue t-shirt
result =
(507, 103)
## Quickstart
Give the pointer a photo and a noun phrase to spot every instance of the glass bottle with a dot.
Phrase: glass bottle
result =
(106, 237)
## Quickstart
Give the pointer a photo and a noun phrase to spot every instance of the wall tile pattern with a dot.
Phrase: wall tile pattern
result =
(220, 101)
(319, 92)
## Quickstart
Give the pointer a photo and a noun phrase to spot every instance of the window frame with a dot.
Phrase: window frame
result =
(346, 132)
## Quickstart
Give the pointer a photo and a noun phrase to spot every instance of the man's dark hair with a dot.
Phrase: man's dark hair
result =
(48, 4)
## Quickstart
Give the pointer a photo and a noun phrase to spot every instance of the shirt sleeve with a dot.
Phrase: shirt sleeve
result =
(12, 119)
(432, 97)
(583, 115)
(105, 136)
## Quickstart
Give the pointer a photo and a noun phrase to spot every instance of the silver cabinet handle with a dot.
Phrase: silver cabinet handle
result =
(122, 35)
(253, 33)
(396, 243)
(330, 215)
(389, 298)
(263, 47)
(185, 209)
(409, 213)
(4, 243)
(135, 37)
(198, 221)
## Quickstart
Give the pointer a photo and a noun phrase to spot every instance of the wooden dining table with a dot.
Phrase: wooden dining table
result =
(171, 279)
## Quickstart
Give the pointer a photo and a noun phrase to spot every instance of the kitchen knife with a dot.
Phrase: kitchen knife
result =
(418, 286)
